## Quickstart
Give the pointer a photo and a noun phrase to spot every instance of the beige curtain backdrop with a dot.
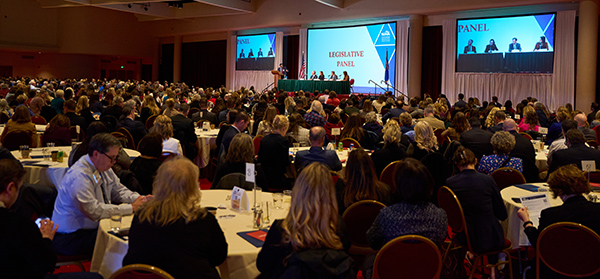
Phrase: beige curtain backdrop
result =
(402, 56)
(553, 90)
(258, 79)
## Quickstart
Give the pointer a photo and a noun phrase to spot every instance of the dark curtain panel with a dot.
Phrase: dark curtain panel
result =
(204, 64)
(165, 70)
(431, 73)
(291, 47)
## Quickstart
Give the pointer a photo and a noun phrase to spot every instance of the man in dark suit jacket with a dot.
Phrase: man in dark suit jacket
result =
(75, 119)
(116, 109)
(240, 124)
(316, 153)
(576, 152)
(476, 139)
(135, 128)
(184, 131)
(460, 103)
(499, 118)
(395, 112)
(204, 113)
(514, 45)
(523, 146)
(470, 48)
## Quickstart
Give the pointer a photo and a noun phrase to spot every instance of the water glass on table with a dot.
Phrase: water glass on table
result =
(277, 200)
(24, 151)
(115, 219)
(287, 197)
(257, 196)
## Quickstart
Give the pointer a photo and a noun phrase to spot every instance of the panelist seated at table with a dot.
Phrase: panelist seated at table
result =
(89, 189)
(313, 76)
(470, 48)
(172, 231)
(514, 46)
(541, 45)
(491, 47)
(333, 76)
(321, 75)
(310, 240)
(569, 184)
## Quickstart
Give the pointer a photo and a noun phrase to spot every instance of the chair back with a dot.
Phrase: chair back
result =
(593, 143)
(347, 141)
(448, 201)
(359, 217)
(38, 120)
(130, 142)
(166, 155)
(408, 256)
(291, 140)
(528, 136)
(387, 175)
(256, 141)
(505, 177)
(384, 111)
(192, 111)
(78, 137)
(150, 121)
(122, 138)
(13, 140)
(234, 179)
(110, 121)
(222, 123)
(593, 176)
(140, 271)
(4, 118)
(596, 129)
(351, 81)
(438, 134)
(569, 249)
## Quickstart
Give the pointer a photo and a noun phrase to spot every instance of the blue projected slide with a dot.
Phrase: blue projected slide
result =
(255, 52)
(360, 50)
(504, 36)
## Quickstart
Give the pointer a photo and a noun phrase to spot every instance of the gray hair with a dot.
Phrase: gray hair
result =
(102, 142)
(503, 142)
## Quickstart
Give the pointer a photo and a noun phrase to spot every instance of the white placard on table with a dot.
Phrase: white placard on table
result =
(239, 199)
(588, 165)
(250, 172)
(502, 108)
(535, 204)
(543, 130)
(206, 125)
(517, 116)
(335, 131)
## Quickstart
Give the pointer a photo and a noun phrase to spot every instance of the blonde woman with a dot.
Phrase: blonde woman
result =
(311, 230)
(392, 150)
(83, 109)
(164, 127)
(490, 121)
(266, 124)
(170, 110)
(274, 154)
(172, 231)
(425, 141)
(149, 108)
(290, 105)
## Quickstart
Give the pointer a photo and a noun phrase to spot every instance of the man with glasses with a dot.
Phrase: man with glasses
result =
(86, 194)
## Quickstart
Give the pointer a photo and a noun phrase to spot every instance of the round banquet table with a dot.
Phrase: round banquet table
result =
(110, 250)
(48, 173)
(40, 131)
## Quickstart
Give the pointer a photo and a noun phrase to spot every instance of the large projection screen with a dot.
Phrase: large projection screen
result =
(255, 52)
(363, 51)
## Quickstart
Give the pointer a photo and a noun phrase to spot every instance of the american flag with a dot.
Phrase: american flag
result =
(302, 73)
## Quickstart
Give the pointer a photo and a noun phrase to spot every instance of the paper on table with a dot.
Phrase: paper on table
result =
(535, 204)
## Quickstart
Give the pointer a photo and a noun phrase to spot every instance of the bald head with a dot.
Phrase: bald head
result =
(581, 119)
(317, 136)
(509, 125)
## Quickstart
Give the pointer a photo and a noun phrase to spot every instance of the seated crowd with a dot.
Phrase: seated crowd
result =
(429, 144)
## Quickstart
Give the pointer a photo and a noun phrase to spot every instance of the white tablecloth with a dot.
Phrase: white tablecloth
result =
(241, 258)
(206, 141)
(51, 174)
(541, 159)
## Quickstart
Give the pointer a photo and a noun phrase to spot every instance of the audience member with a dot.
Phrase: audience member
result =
(499, 117)
(21, 122)
(273, 154)
(116, 109)
(266, 125)
(352, 129)
(582, 126)
(394, 112)
(144, 166)
(477, 139)
(317, 153)
(503, 143)
(297, 130)
(425, 141)
(240, 123)
(70, 107)
(163, 126)
(58, 131)
(393, 149)
(433, 122)
(523, 146)
(575, 153)
(241, 151)
(371, 123)
(315, 116)
(204, 113)
(185, 132)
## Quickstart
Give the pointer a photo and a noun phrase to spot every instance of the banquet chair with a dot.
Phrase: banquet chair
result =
(596, 129)
(13, 140)
(222, 123)
(256, 141)
(593, 176)
(592, 143)
(387, 175)
(130, 142)
(384, 111)
(291, 141)
(448, 201)
(122, 138)
(140, 271)
(234, 179)
(110, 121)
(569, 249)
(347, 141)
(4, 118)
(352, 85)
(79, 137)
(200, 122)
(505, 177)
(192, 111)
(166, 155)
(358, 218)
(528, 136)
(440, 139)
(150, 121)
(38, 120)
(408, 256)
(78, 260)
(438, 168)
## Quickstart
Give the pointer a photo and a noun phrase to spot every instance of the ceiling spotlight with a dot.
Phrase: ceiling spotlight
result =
(129, 6)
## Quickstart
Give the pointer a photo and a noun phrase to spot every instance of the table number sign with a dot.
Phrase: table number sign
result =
(335, 131)
(239, 199)
(543, 130)
(588, 166)
(517, 116)
(205, 125)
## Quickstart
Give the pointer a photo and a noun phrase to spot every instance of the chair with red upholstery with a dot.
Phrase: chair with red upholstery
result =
(38, 120)
(448, 201)
(387, 175)
(130, 142)
(408, 256)
(150, 121)
(569, 249)
(505, 177)
(347, 141)
(256, 141)
(140, 271)
(13, 140)
(359, 217)
(528, 136)
(77, 136)
(351, 85)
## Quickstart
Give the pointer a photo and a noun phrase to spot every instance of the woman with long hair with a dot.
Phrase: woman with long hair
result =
(266, 125)
(392, 149)
(170, 110)
(298, 130)
(360, 182)
(149, 108)
(311, 229)
(163, 125)
(174, 221)
(530, 122)
(425, 141)
(83, 109)
(459, 125)
(21, 122)
(274, 154)
(353, 129)
(58, 131)
(290, 105)
(145, 166)
(240, 152)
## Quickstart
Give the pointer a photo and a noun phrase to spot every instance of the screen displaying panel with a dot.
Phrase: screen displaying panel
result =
(365, 52)
(515, 44)
(255, 52)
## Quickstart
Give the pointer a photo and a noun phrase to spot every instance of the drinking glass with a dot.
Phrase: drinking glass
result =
(296, 146)
(277, 200)
(257, 196)
(46, 154)
(24, 151)
(115, 219)
(287, 197)
(50, 145)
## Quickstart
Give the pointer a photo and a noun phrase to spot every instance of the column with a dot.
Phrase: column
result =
(587, 47)
(415, 53)
(156, 59)
(177, 59)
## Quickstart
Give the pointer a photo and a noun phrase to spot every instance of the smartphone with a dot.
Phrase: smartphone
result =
(38, 221)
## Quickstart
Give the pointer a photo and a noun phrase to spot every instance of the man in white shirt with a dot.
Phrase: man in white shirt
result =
(86, 194)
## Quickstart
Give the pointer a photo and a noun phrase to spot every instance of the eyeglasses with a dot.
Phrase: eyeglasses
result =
(112, 160)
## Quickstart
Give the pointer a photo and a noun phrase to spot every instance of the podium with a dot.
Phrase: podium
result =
(276, 77)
